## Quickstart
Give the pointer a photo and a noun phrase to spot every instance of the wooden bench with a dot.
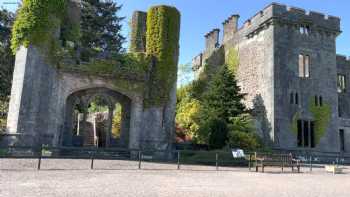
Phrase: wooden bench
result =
(282, 160)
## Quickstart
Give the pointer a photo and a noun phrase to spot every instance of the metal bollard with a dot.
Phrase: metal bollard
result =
(310, 163)
(178, 160)
(40, 155)
(92, 162)
(140, 159)
(39, 162)
(217, 161)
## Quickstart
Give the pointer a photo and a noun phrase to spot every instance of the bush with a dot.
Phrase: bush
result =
(243, 134)
(217, 131)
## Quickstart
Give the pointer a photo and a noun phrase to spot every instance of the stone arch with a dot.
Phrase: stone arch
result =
(84, 97)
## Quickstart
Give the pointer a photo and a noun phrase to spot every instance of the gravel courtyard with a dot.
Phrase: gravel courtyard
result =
(121, 178)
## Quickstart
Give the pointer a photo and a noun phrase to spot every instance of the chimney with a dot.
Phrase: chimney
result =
(230, 27)
(212, 40)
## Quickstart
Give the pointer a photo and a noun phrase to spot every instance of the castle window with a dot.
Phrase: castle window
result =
(342, 140)
(341, 83)
(318, 101)
(306, 134)
(304, 66)
(304, 29)
(294, 98)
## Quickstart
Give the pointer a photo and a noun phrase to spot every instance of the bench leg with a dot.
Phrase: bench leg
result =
(298, 169)
(256, 168)
(292, 168)
(282, 169)
(263, 168)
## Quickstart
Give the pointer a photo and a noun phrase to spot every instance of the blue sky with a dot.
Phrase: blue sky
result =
(201, 16)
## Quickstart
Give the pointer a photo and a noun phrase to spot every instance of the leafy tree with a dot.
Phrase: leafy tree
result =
(117, 121)
(6, 57)
(187, 116)
(100, 28)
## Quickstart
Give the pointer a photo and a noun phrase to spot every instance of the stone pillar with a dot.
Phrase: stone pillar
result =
(138, 32)
(136, 123)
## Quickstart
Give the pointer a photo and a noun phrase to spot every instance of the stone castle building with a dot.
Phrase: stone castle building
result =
(289, 69)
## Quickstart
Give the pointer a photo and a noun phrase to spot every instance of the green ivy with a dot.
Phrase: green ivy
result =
(162, 43)
(322, 117)
(232, 60)
(295, 119)
(36, 22)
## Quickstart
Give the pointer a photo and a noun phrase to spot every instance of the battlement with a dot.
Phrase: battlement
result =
(343, 60)
(294, 15)
(212, 40)
(230, 27)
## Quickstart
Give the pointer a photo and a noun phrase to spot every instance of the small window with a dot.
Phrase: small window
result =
(342, 140)
(305, 29)
(316, 100)
(341, 83)
(304, 66)
(296, 99)
(320, 100)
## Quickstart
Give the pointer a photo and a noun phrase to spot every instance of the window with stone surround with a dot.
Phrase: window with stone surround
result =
(318, 101)
(304, 29)
(341, 83)
(294, 98)
(306, 134)
(304, 66)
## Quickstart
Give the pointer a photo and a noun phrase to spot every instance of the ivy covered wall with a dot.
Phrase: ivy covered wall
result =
(162, 43)
(39, 23)
(321, 116)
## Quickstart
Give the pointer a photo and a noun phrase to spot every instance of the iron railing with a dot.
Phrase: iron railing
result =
(177, 158)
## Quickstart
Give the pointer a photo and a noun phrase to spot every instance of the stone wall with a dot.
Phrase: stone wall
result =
(268, 45)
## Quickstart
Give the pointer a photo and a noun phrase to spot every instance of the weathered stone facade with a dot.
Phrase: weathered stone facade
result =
(43, 98)
(268, 46)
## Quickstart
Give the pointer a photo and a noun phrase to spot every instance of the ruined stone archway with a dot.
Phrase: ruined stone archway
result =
(45, 90)
(83, 98)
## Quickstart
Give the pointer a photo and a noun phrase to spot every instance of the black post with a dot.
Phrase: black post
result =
(310, 163)
(92, 161)
(40, 155)
(217, 161)
(250, 160)
(140, 159)
(178, 160)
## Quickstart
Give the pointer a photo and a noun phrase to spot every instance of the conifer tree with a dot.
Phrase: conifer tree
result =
(101, 28)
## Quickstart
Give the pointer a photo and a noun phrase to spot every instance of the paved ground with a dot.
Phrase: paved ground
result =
(72, 178)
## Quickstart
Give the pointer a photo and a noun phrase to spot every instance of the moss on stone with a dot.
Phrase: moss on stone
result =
(162, 43)
(322, 117)
(295, 119)
(232, 60)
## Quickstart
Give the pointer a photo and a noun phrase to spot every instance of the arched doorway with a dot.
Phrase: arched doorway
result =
(98, 117)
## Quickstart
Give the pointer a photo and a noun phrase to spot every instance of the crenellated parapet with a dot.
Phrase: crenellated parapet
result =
(212, 40)
(343, 60)
(230, 26)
